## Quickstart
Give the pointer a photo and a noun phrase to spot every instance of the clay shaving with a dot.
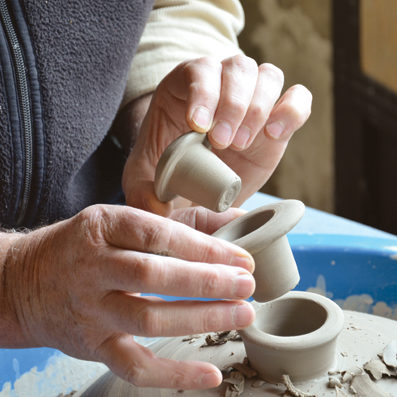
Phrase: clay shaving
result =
(294, 391)
(347, 376)
(377, 369)
(221, 338)
(365, 387)
(333, 383)
(191, 338)
(235, 384)
(389, 354)
(340, 393)
(245, 369)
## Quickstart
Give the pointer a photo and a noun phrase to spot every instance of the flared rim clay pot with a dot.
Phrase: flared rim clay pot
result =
(190, 169)
(294, 335)
(262, 232)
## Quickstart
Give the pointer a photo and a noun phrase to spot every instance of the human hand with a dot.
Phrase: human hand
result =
(237, 103)
(74, 286)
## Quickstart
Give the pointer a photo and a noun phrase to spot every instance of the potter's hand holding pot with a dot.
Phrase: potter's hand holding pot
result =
(236, 102)
(74, 286)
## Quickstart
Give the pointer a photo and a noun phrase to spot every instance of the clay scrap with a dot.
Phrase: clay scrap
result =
(363, 386)
(220, 338)
(293, 390)
(361, 381)
(236, 383)
(377, 369)
(389, 354)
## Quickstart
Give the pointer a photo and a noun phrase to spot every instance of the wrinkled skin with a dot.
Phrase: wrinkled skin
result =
(236, 102)
(75, 286)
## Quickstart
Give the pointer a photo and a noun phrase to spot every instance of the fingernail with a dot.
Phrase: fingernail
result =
(275, 129)
(202, 118)
(210, 379)
(222, 133)
(245, 261)
(242, 137)
(243, 286)
(242, 315)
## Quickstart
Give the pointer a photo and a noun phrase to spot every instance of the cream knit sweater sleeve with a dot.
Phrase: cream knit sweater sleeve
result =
(178, 30)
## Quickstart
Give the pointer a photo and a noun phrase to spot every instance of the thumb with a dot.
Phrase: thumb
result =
(140, 194)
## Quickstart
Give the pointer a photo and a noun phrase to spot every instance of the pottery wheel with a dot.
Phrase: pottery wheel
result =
(364, 336)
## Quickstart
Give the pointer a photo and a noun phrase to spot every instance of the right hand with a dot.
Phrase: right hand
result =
(75, 286)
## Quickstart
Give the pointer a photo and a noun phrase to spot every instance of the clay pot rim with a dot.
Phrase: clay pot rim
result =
(286, 214)
(171, 157)
(329, 331)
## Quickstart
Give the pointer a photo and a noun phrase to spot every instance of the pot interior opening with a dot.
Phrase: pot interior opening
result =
(247, 225)
(291, 317)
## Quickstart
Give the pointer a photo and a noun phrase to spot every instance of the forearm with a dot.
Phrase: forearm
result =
(11, 335)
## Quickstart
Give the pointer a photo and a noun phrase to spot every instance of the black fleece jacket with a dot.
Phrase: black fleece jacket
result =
(63, 69)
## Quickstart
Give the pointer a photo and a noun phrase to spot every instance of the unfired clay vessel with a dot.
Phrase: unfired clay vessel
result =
(363, 337)
(190, 169)
(262, 232)
(295, 335)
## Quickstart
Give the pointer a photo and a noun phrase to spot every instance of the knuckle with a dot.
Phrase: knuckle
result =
(273, 71)
(243, 62)
(136, 375)
(297, 114)
(203, 91)
(142, 271)
(209, 62)
(211, 284)
(92, 223)
(148, 322)
(257, 113)
(235, 105)
(157, 237)
(177, 380)
(190, 67)
(211, 320)
(212, 252)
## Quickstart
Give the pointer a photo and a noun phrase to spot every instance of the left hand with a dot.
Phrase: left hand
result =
(237, 103)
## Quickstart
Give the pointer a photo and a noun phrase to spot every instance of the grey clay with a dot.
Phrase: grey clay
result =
(262, 232)
(190, 169)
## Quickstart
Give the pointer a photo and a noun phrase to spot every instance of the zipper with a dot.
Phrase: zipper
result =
(24, 106)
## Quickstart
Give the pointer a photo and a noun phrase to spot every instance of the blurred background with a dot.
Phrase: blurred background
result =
(344, 160)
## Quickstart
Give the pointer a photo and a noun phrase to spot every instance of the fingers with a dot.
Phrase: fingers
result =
(239, 76)
(204, 220)
(146, 273)
(290, 113)
(204, 77)
(268, 87)
(137, 364)
(133, 229)
(144, 317)
(247, 96)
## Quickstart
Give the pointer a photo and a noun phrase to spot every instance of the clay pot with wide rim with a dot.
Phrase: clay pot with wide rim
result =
(262, 232)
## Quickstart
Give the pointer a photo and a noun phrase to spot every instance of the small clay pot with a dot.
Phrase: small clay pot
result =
(262, 233)
(294, 335)
(190, 169)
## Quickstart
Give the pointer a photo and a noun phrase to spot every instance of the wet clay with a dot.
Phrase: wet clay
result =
(363, 337)
(188, 168)
(262, 232)
(294, 335)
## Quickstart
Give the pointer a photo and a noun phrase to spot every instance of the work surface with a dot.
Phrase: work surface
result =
(330, 251)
